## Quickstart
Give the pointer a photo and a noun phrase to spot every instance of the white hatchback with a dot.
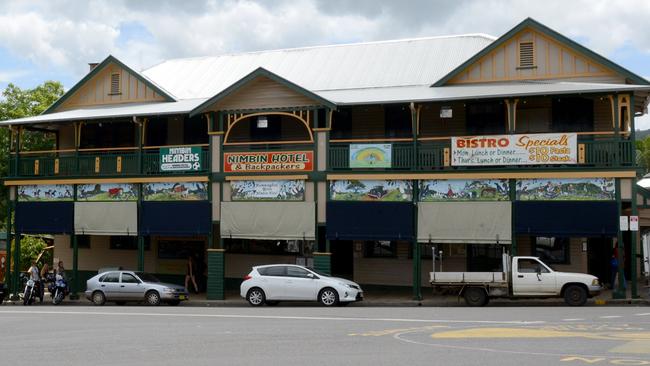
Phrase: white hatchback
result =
(271, 284)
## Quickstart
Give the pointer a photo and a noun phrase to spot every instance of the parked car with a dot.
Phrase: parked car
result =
(271, 284)
(123, 286)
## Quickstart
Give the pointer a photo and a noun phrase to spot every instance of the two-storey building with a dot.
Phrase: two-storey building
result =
(355, 159)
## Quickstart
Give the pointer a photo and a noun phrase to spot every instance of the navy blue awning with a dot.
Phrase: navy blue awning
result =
(44, 217)
(566, 218)
(176, 218)
(370, 220)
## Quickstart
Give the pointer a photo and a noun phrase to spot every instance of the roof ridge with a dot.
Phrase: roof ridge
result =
(400, 40)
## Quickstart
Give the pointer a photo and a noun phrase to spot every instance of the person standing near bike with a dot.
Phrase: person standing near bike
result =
(35, 275)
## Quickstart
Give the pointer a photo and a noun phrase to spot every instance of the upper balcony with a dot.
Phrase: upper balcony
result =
(421, 139)
(113, 149)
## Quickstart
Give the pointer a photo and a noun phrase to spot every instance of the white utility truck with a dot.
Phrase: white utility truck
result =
(522, 277)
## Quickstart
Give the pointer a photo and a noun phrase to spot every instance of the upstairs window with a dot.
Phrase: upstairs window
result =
(526, 55)
(486, 118)
(115, 84)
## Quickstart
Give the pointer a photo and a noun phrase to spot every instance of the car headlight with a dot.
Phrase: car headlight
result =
(169, 290)
(595, 282)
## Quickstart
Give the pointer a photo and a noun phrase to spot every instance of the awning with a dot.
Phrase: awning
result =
(106, 218)
(465, 222)
(566, 218)
(176, 218)
(44, 217)
(268, 220)
(370, 220)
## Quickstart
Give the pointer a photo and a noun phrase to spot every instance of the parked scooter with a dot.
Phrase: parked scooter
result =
(31, 292)
(58, 289)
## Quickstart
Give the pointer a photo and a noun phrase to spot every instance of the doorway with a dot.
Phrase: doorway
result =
(599, 254)
(342, 258)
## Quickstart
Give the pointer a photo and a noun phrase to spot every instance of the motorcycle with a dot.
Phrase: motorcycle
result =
(58, 289)
(32, 290)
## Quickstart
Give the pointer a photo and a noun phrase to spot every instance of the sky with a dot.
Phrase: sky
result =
(56, 39)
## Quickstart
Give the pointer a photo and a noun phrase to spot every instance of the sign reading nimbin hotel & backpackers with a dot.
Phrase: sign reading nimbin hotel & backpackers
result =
(528, 149)
(276, 161)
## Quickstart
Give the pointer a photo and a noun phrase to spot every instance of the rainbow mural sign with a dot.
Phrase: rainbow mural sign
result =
(370, 155)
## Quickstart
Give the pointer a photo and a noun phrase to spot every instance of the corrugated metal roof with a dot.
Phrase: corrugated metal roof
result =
(112, 111)
(363, 65)
(422, 93)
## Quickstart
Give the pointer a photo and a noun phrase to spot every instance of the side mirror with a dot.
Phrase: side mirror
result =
(310, 275)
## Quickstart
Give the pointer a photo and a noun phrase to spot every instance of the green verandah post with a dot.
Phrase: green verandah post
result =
(8, 276)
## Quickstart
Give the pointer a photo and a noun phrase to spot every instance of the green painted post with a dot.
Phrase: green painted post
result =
(216, 270)
(620, 293)
(75, 268)
(323, 262)
(15, 279)
(512, 184)
(17, 155)
(140, 236)
(417, 263)
(633, 242)
(139, 136)
(8, 276)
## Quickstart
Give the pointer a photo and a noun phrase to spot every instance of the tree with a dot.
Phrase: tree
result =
(19, 103)
(30, 248)
(643, 154)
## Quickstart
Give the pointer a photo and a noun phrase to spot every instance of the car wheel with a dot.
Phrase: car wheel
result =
(152, 298)
(271, 303)
(98, 298)
(328, 296)
(575, 295)
(255, 296)
(475, 296)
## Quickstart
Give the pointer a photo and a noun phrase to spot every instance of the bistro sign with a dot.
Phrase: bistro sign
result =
(528, 149)
(179, 159)
(277, 161)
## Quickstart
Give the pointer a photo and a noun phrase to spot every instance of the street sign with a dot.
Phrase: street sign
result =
(623, 225)
(634, 223)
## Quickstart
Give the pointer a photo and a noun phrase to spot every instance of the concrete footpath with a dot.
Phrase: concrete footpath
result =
(391, 298)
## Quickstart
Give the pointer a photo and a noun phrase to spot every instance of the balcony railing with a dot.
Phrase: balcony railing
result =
(95, 162)
(435, 155)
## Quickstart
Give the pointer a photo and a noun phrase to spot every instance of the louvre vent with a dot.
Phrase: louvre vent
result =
(115, 84)
(526, 54)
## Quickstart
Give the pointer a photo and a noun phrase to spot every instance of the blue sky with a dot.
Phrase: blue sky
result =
(55, 39)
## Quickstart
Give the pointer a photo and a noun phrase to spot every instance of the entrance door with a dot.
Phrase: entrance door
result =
(599, 254)
(342, 258)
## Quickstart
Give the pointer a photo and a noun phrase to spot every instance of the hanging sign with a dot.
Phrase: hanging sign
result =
(528, 149)
(276, 161)
(268, 190)
(623, 223)
(634, 223)
(370, 155)
(175, 159)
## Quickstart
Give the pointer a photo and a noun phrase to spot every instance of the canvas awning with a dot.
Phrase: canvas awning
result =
(465, 222)
(268, 220)
(369, 220)
(44, 217)
(566, 218)
(106, 218)
(180, 218)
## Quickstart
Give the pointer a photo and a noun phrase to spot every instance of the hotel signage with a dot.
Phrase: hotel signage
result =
(175, 159)
(277, 161)
(528, 149)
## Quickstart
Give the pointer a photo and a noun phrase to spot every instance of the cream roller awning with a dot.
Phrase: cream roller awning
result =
(268, 220)
(465, 222)
(106, 218)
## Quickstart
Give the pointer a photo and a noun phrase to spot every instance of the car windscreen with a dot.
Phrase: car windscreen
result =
(319, 273)
(146, 277)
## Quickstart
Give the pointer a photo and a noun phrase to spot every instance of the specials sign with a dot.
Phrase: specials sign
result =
(277, 161)
(528, 149)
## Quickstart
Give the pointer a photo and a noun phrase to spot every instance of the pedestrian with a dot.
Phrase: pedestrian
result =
(190, 274)
(45, 271)
(613, 264)
(35, 275)
(60, 270)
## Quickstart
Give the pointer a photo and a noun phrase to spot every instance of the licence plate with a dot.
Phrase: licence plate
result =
(182, 297)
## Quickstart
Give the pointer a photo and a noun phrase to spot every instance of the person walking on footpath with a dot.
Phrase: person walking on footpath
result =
(190, 274)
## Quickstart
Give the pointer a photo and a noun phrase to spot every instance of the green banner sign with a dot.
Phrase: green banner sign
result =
(179, 159)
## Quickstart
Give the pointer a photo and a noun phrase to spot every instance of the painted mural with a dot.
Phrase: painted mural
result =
(268, 190)
(437, 190)
(107, 192)
(370, 155)
(177, 191)
(371, 190)
(52, 192)
(583, 189)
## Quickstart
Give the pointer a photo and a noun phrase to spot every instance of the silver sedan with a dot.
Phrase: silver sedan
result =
(123, 286)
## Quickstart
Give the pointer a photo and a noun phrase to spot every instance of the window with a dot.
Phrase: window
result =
(551, 250)
(273, 271)
(83, 242)
(297, 272)
(380, 249)
(110, 277)
(115, 84)
(486, 118)
(530, 266)
(156, 132)
(572, 115)
(341, 123)
(107, 134)
(526, 55)
(195, 130)
(128, 242)
(129, 278)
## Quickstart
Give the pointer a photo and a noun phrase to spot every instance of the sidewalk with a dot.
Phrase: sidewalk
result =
(392, 298)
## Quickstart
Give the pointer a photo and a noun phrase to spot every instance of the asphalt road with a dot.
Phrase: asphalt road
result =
(140, 335)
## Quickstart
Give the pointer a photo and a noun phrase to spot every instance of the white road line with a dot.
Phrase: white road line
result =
(611, 316)
(572, 320)
(642, 314)
(274, 317)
